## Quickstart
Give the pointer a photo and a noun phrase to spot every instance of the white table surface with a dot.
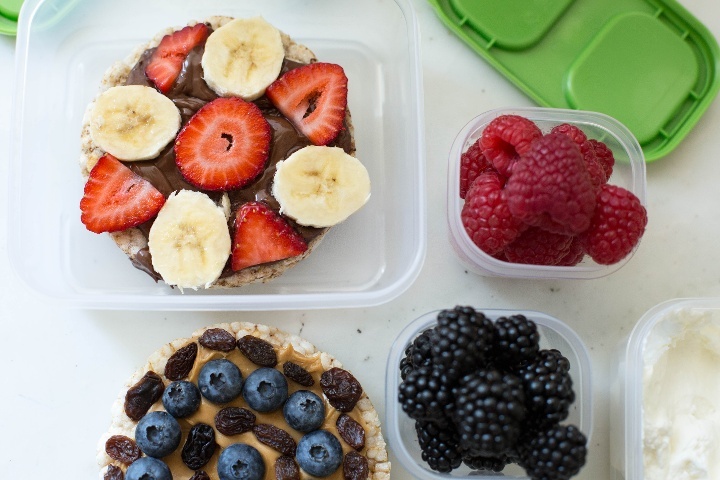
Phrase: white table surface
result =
(64, 367)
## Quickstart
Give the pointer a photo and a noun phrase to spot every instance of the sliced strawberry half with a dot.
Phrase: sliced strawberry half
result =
(166, 62)
(314, 98)
(116, 198)
(262, 236)
(225, 145)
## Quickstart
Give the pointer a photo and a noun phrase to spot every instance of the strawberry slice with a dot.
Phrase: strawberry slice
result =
(262, 236)
(116, 198)
(166, 62)
(225, 145)
(314, 98)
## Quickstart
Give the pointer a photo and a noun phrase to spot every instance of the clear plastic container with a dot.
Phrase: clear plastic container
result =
(628, 172)
(400, 429)
(63, 49)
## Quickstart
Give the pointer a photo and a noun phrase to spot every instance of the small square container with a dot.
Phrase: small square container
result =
(63, 49)
(690, 324)
(400, 429)
(628, 172)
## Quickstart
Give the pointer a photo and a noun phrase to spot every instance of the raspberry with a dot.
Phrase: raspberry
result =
(617, 225)
(572, 131)
(472, 164)
(506, 138)
(604, 156)
(486, 216)
(551, 187)
(597, 174)
(574, 255)
(536, 246)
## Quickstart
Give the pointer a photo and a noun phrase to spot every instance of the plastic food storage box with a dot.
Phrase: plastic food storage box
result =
(63, 49)
(400, 429)
(628, 172)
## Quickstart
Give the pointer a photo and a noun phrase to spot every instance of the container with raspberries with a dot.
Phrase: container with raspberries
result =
(497, 393)
(545, 193)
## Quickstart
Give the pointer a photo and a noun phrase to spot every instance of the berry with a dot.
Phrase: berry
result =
(597, 174)
(517, 340)
(486, 215)
(319, 453)
(472, 164)
(574, 255)
(314, 98)
(148, 468)
(483, 462)
(604, 156)
(115, 198)
(166, 61)
(536, 246)
(304, 411)
(555, 454)
(505, 139)
(551, 187)
(240, 461)
(262, 236)
(220, 381)
(548, 388)
(424, 396)
(418, 353)
(224, 146)
(265, 389)
(157, 434)
(181, 398)
(617, 225)
(439, 446)
(572, 131)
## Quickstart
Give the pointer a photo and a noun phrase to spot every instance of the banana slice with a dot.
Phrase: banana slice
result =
(320, 186)
(133, 122)
(243, 57)
(189, 241)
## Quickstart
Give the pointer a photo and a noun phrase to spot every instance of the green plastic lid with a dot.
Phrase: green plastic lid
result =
(9, 12)
(648, 63)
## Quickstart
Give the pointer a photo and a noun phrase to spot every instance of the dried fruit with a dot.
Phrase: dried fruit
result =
(199, 446)
(181, 362)
(355, 467)
(113, 473)
(258, 351)
(341, 388)
(275, 438)
(123, 449)
(217, 339)
(286, 469)
(200, 475)
(295, 372)
(140, 397)
(234, 420)
(351, 431)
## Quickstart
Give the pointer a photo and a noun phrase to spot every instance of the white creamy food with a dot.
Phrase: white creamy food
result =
(681, 397)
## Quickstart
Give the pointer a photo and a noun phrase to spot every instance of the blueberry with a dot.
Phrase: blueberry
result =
(157, 434)
(220, 381)
(304, 411)
(265, 389)
(181, 399)
(148, 468)
(240, 462)
(319, 453)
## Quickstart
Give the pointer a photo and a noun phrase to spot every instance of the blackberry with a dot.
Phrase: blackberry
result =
(418, 353)
(482, 462)
(548, 388)
(488, 411)
(439, 446)
(516, 341)
(463, 337)
(423, 396)
(554, 454)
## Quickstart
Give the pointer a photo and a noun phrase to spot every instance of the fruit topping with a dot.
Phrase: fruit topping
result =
(275, 438)
(123, 449)
(341, 388)
(265, 390)
(355, 467)
(304, 411)
(113, 473)
(257, 350)
(181, 362)
(199, 446)
(158, 434)
(505, 139)
(286, 469)
(166, 61)
(181, 399)
(220, 381)
(319, 453)
(314, 98)
(351, 431)
(140, 397)
(217, 339)
(148, 468)
(200, 475)
(298, 374)
(240, 461)
(472, 164)
(234, 420)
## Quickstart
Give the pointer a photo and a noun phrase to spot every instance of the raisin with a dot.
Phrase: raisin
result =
(295, 372)
(181, 362)
(217, 339)
(200, 474)
(123, 449)
(113, 473)
(355, 467)
(351, 431)
(286, 469)
(140, 397)
(199, 446)
(234, 420)
(258, 351)
(275, 438)
(341, 388)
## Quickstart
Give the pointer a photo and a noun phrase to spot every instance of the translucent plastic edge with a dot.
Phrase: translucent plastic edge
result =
(480, 262)
(324, 300)
(406, 335)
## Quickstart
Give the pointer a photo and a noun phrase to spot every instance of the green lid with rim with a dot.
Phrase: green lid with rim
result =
(9, 12)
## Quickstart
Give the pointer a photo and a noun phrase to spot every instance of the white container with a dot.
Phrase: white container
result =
(63, 49)
(628, 172)
(400, 429)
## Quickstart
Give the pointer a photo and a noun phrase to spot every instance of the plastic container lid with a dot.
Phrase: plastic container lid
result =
(9, 13)
(648, 63)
